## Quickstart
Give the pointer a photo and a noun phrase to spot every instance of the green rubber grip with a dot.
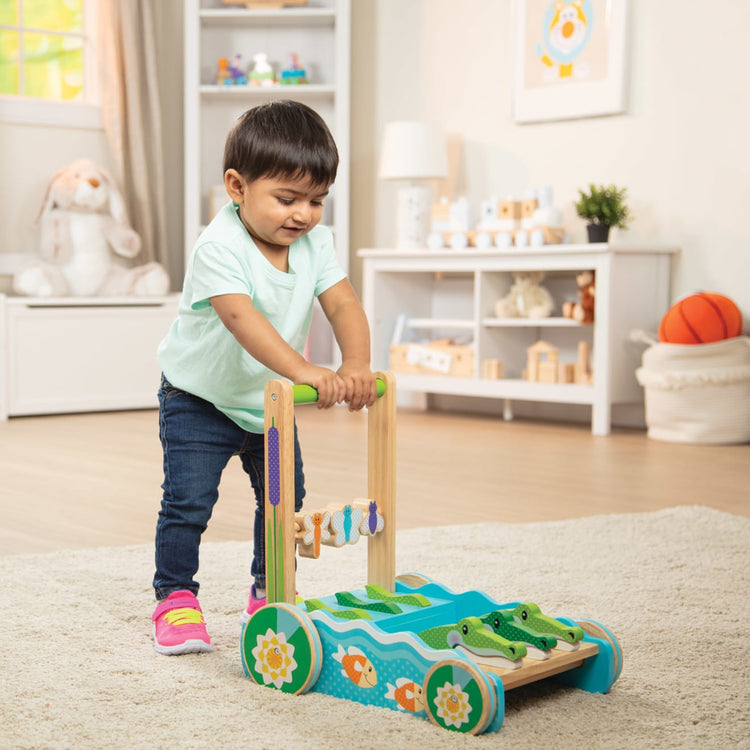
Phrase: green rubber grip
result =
(306, 394)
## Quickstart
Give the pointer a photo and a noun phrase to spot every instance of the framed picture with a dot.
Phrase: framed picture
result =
(569, 59)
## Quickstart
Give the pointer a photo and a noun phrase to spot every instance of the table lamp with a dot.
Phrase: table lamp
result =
(413, 151)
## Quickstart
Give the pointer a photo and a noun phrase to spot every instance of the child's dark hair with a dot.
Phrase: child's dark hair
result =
(282, 139)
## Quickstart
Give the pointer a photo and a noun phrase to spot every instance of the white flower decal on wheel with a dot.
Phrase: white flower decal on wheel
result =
(452, 705)
(274, 658)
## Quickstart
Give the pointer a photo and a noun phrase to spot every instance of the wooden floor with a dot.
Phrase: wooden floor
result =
(94, 480)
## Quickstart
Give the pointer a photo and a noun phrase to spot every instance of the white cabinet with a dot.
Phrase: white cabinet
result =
(319, 34)
(80, 354)
(452, 294)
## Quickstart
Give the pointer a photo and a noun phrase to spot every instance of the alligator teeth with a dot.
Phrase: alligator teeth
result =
(565, 646)
(537, 654)
(491, 661)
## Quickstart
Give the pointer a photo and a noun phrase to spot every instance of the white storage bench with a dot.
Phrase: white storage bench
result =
(65, 355)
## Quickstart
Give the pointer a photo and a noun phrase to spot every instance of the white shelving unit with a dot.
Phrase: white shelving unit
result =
(447, 293)
(319, 33)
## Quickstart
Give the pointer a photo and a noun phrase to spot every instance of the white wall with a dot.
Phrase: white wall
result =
(681, 148)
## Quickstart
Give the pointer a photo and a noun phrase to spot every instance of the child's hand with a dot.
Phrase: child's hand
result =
(360, 386)
(329, 385)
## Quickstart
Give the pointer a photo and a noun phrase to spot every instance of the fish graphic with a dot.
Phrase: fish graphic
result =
(407, 694)
(357, 667)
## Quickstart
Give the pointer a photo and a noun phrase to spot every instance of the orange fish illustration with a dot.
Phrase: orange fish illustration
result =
(357, 667)
(407, 694)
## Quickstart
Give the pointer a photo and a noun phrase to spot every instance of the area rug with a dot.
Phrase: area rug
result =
(78, 669)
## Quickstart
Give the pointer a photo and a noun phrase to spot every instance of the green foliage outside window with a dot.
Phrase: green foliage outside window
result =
(42, 49)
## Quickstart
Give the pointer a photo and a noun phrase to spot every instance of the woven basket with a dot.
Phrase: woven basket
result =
(697, 393)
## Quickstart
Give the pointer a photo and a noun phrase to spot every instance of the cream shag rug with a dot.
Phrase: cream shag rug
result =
(78, 669)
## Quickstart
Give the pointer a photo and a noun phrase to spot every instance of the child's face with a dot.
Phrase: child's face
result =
(276, 211)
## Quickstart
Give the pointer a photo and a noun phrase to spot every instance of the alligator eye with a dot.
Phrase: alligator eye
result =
(496, 623)
(524, 615)
(465, 629)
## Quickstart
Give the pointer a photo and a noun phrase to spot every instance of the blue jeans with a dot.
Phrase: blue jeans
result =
(198, 440)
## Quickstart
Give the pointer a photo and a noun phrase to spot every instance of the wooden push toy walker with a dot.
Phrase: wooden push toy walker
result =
(403, 643)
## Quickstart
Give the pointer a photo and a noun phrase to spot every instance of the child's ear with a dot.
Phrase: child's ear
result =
(234, 185)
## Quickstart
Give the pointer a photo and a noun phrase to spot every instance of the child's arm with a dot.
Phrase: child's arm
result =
(349, 323)
(263, 342)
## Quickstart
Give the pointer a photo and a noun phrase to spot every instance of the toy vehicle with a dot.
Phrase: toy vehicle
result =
(405, 643)
(502, 223)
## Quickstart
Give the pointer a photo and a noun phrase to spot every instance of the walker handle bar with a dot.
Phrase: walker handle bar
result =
(306, 394)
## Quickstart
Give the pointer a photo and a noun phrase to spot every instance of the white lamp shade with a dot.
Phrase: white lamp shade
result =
(412, 151)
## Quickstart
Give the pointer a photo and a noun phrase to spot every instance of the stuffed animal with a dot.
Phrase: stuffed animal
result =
(84, 235)
(583, 310)
(527, 298)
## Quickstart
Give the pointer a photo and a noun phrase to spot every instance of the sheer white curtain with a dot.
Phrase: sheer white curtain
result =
(132, 115)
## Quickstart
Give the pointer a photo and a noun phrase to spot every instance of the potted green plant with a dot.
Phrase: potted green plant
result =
(603, 206)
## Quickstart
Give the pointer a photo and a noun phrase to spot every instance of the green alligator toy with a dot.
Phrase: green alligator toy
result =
(471, 635)
(505, 625)
(531, 616)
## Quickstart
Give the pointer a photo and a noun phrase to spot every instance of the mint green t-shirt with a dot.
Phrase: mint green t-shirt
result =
(200, 355)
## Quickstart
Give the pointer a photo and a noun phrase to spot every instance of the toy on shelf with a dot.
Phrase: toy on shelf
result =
(262, 72)
(543, 365)
(294, 74)
(405, 643)
(527, 297)
(701, 318)
(532, 221)
(231, 74)
(450, 225)
(582, 311)
(440, 357)
(222, 73)
(493, 369)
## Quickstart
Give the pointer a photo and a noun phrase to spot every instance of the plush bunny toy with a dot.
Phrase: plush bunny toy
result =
(84, 228)
(527, 297)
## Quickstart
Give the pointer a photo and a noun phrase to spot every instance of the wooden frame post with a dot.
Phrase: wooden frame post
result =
(381, 484)
(279, 491)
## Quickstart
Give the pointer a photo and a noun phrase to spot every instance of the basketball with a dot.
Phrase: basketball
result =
(700, 319)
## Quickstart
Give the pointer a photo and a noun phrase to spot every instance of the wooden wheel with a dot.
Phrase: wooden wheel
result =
(281, 649)
(459, 696)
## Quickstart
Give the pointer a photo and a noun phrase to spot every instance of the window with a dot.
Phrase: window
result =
(47, 65)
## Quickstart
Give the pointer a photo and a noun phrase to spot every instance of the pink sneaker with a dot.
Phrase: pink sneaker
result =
(179, 627)
(254, 604)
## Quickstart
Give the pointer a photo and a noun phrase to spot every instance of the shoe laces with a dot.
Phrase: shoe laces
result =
(184, 616)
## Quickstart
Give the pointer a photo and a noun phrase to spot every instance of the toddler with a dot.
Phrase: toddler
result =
(243, 319)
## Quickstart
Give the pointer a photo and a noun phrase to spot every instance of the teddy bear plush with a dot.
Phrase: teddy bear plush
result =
(84, 237)
(527, 298)
(582, 310)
